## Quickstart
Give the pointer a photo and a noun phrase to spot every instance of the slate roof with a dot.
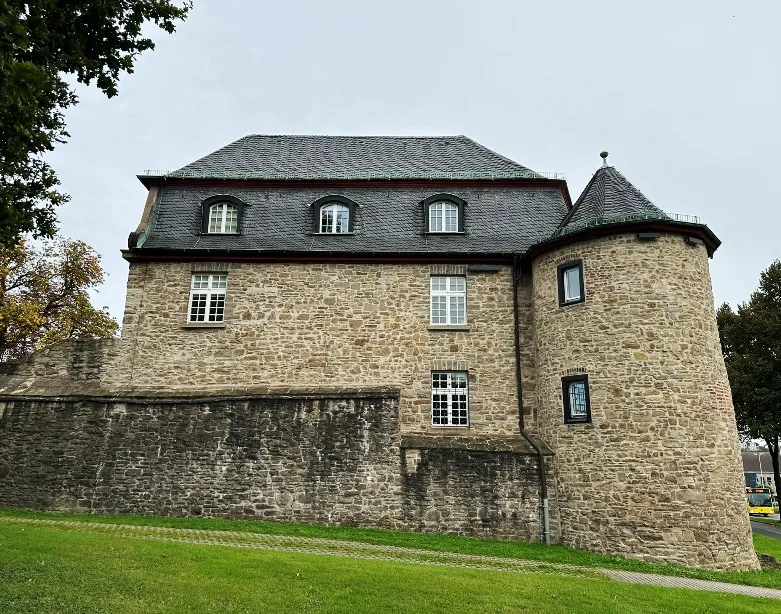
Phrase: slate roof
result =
(260, 156)
(610, 195)
(505, 217)
(388, 220)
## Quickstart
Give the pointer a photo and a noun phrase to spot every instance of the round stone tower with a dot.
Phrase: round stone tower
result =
(632, 391)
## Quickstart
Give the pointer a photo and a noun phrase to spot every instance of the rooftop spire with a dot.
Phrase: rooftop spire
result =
(604, 158)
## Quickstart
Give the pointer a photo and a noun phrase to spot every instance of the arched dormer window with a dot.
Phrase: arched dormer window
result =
(334, 215)
(444, 213)
(221, 215)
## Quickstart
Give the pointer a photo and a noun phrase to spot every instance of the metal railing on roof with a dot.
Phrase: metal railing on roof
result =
(607, 220)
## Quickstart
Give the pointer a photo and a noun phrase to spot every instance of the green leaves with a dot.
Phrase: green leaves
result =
(44, 297)
(40, 40)
(751, 344)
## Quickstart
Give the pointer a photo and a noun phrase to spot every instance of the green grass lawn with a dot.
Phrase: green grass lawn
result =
(46, 569)
(442, 543)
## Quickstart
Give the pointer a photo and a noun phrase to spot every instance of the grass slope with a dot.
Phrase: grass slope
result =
(439, 543)
(53, 570)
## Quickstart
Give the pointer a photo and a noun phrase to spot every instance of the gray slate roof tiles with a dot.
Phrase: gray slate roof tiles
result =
(260, 156)
(388, 220)
(609, 194)
(498, 218)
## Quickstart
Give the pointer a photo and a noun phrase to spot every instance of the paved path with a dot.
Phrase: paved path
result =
(333, 547)
(766, 529)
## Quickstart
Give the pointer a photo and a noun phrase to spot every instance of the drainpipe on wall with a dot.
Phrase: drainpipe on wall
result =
(545, 529)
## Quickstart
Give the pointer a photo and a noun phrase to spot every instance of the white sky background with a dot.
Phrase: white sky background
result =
(685, 95)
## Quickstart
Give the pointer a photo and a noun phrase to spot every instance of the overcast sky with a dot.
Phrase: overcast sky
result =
(686, 97)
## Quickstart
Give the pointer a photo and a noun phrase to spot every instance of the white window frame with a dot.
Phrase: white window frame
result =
(450, 403)
(222, 222)
(337, 226)
(566, 278)
(443, 216)
(566, 297)
(207, 298)
(449, 297)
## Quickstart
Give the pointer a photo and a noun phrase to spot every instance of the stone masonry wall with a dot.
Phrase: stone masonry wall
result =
(328, 461)
(325, 327)
(657, 474)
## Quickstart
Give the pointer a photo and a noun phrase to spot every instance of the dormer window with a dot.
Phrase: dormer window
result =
(221, 215)
(444, 213)
(334, 215)
(334, 218)
(223, 218)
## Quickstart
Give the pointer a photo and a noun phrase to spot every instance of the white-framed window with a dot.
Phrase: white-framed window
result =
(207, 297)
(448, 300)
(223, 218)
(449, 398)
(570, 277)
(443, 217)
(335, 218)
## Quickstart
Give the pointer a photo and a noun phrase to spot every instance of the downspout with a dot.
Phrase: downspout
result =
(545, 532)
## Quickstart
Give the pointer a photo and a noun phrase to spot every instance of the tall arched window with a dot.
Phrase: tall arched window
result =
(223, 217)
(334, 218)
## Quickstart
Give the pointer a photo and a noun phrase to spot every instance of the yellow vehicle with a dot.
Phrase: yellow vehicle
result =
(760, 501)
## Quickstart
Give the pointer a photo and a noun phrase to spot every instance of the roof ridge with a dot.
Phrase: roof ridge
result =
(579, 201)
(356, 136)
(491, 151)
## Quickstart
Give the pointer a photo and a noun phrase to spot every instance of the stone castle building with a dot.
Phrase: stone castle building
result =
(413, 333)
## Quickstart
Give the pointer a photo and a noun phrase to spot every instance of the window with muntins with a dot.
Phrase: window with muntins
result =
(449, 398)
(334, 218)
(448, 301)
(223, 218)
(570, 280)
(207, 297)
(577, 404)
(443, 217)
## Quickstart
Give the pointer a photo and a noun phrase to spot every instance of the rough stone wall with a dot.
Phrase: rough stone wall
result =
(328, 461)
(325, 327)
(68, 367)
(657, 474)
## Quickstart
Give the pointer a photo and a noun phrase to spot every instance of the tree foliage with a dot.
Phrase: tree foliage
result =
(751, 344)
(44, 296)
(40, 41)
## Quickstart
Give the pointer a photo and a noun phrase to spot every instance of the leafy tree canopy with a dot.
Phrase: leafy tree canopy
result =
(751, 344)
(44, 296)
(40, 41)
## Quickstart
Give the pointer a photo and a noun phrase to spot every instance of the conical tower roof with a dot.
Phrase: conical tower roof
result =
(610, 195)
(611, 204)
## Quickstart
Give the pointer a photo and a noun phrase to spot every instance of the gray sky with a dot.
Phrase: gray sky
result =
(685, 95)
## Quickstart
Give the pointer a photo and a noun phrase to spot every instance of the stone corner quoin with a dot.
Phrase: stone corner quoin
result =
(325, 392)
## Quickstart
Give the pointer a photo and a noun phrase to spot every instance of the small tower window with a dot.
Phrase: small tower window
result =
(577, 404)
(223, 218)
(444, 213)
(334, 218)
(570, 282)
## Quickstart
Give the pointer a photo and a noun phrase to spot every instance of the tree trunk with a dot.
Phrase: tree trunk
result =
(772, 446)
